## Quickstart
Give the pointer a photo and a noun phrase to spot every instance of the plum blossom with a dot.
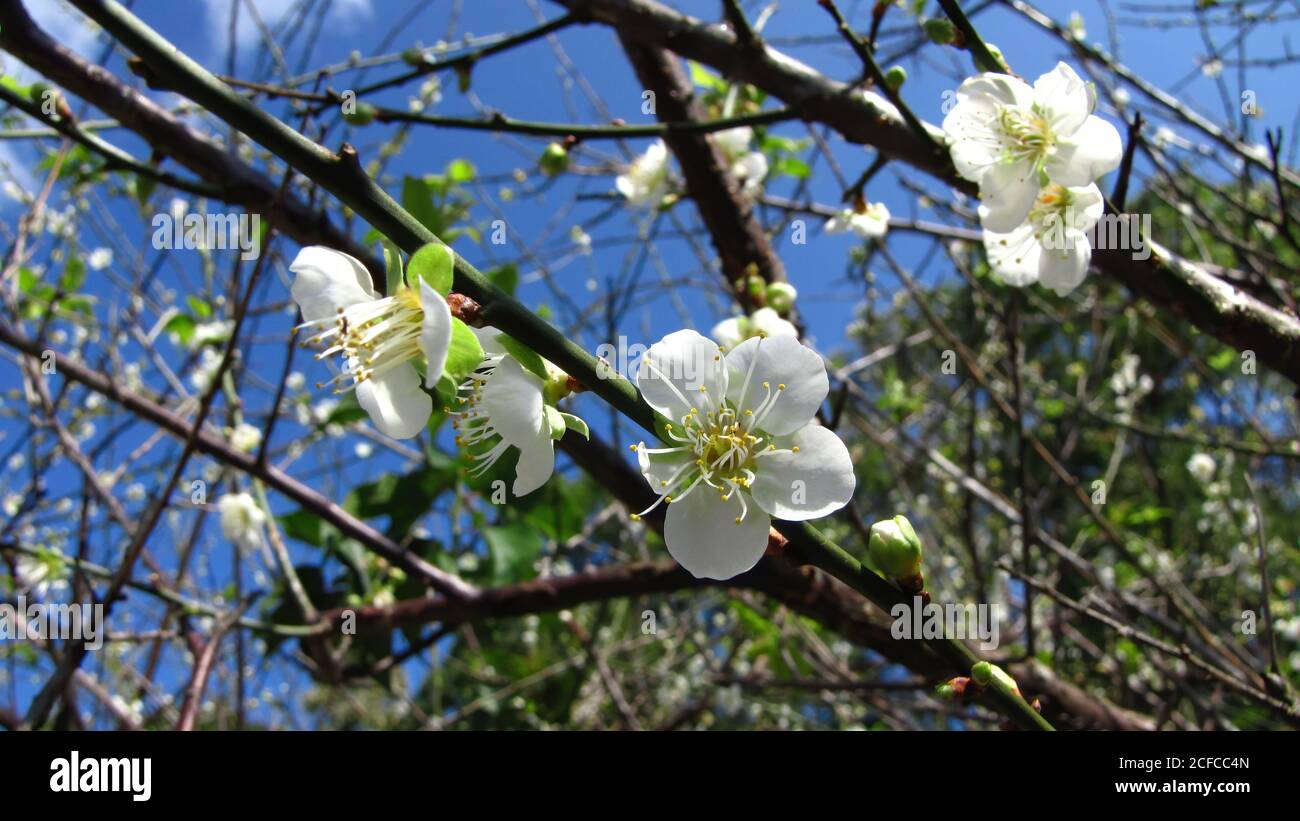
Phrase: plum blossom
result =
(872, 222)
(505, 406)
(241, 520)
(1202, 467)
(764, 322)
(748, 167)
(1051, 247)
(743, 446)
(645, 183)
(378, 338)
(1007, 136)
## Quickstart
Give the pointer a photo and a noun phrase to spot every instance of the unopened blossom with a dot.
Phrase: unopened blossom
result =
(378, 338)
(1051, 247)
(764, 322)
(872, 222)
(645, 183)
(742, 446)
(748, 167)
(241, 520)
(1007, 136)
(503, 406)
(1202, 467)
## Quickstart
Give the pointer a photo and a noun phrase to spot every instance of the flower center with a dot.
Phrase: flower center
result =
(1028, 136)
(371, 337)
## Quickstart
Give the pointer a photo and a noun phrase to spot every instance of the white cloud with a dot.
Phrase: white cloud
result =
(272, 12)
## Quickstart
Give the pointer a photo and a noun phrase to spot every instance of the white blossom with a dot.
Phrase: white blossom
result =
(1006, 136)
(377, 337)
(743, 446)
(645, 183)
(241, 520)
(870, 223)
(1051, 246)
(764, 322)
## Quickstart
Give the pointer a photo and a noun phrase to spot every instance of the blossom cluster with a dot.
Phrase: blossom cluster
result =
(1035, 152)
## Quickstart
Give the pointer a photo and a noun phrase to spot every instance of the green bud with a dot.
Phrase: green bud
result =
(894, 548)
(997, 55)
(780, 297)
(986, 674)
(361, 114)
(555, 159)
(940, 30)
(755, 285)
(946, 692)
(414, 57)
(895, 77)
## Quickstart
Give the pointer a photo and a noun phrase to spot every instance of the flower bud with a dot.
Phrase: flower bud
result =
(555, 159)
(780, 297)
(362, 114)
(985, 674)
(940, 30)
(894, 548)
(414, 57)
(895, 77)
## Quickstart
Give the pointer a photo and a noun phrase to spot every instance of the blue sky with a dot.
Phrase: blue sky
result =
(527, 84)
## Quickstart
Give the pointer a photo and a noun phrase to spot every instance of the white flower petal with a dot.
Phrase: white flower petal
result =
(1007, 192)
(1094, 150)
(1014, 255)
(659, 469)
(536, 464)
(729, 332)
(397, 405)
(328, 280)
(435, 332)
(1063, 94)
(673, 371)
(487, 339)
(781, 360)
(702, 535)
(512, 399)
(1064, 269)
(771, 323)
(814, 482)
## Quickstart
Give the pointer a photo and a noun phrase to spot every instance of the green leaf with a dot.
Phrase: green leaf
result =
(513, 548)
(791, 167)
(530, 360)
(465, 353)
(433, 263)
(505, 277)
(417, 199)
(392, 266)
(555, 421)
(183, 326)
(576, 424)
(1223, 360)
(74, 274)
(704, 78)
(201, 309)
